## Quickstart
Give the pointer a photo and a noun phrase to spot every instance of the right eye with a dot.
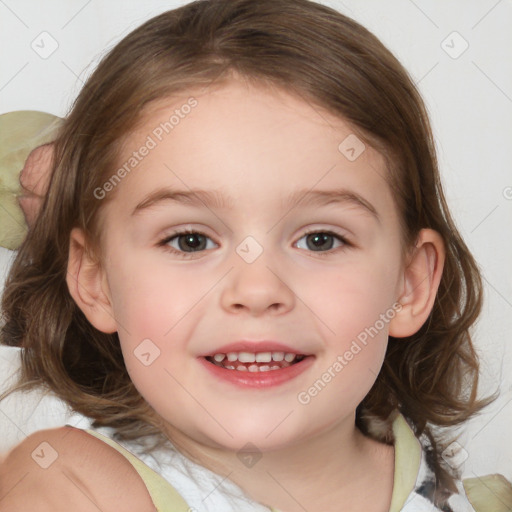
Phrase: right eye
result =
(319, 238)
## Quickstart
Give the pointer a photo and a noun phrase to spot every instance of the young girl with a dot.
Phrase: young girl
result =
(245, 272)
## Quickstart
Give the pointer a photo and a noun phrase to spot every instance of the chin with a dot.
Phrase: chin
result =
(264, 436)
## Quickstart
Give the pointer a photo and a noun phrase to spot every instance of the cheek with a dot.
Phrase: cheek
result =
(355, 320)
(150, 301)
(156, 311)
(354, 307)
(353, 297)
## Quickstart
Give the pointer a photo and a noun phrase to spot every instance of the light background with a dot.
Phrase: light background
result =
(469, 97)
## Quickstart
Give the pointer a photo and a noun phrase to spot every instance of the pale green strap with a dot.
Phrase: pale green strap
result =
(407, 463)
(164, 495)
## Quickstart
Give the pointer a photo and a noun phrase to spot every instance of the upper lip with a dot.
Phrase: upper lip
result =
(255, 347)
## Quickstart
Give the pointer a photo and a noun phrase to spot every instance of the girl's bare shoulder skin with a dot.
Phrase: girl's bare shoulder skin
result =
(64, 469)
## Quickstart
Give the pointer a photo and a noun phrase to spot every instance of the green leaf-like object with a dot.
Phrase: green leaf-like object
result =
(489, 493)
(20, 133)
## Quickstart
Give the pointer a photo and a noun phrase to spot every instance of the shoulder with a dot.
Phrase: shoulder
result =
(55, 467)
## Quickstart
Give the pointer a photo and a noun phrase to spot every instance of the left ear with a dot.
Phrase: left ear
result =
(421, 279)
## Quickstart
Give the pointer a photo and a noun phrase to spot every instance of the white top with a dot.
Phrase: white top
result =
(204, 491)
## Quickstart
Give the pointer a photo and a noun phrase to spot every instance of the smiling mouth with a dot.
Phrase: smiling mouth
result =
(255, 362)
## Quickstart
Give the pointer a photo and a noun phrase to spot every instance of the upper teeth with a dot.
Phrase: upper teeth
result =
(259, 357)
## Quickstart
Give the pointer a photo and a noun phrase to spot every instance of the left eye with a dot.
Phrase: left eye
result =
(322, 241)
(189, 241)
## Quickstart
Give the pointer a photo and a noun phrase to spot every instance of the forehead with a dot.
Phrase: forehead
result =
(249, 143)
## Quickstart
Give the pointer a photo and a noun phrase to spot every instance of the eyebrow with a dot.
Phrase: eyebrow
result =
(215, 200)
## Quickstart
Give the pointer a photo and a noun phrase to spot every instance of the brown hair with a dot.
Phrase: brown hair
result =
(306, 49)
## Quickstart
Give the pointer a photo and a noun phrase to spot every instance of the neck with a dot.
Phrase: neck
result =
(331, 471)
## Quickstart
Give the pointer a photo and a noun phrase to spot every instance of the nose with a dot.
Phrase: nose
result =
(257, 288)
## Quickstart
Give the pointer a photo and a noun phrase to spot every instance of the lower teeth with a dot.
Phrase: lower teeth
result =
(256, 368)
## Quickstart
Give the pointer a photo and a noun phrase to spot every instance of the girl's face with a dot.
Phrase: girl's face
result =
(295, 240)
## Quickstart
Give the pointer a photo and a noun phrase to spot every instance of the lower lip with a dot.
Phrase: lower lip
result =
(247, 379)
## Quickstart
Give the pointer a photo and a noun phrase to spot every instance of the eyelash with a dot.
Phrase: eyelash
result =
(189, 255)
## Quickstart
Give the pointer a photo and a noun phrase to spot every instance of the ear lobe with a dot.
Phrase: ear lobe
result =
(87, 286)
(422, 276)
